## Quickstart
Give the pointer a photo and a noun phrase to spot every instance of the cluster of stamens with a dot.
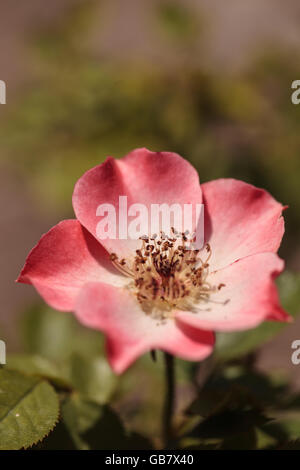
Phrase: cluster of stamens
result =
(167, 273)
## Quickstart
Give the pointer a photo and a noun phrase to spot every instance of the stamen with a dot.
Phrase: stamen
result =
(167, 273)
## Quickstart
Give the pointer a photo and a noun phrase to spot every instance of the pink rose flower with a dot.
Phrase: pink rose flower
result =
(149, 294)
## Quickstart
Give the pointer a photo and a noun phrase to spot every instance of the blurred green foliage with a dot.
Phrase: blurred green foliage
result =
(178, 21)
(81, 109)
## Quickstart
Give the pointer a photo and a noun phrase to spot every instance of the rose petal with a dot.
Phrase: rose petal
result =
(240, 220)
(145, 178)
(248, 297)
(131, 332)
(65, 259)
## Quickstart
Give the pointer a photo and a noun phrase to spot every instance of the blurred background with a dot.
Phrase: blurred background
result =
(209, 80)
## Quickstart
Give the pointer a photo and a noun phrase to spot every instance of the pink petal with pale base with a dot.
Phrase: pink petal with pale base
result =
(240, 220)
(144, 177)
(248, 298)
(131, 332)
(64, 259)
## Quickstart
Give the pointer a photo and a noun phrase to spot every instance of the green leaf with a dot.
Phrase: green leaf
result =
(285, 427)
(42, 367)
(58, 439)
(235, 414)
(291, 445)
(197, 444)
(56, 336)
(246, 440)
(93, 378)
(90, 376)
(263, 391)
(226, 414)
(94, 427)
(72, 359)
(29, 410)
(232, 345)
(78, 416)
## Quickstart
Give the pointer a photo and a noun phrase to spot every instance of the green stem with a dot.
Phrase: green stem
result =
(169, 401)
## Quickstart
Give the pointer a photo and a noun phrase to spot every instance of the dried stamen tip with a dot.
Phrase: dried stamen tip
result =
(113, 257)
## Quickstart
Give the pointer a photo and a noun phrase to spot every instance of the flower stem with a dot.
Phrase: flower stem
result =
(169, 401)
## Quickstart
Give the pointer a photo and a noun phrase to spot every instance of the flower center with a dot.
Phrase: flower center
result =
(168, 273)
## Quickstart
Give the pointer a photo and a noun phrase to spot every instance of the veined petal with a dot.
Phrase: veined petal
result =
(248, 297)
(65, 259)
(240, 220)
